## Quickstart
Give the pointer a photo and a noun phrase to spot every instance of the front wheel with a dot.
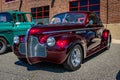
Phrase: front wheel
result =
(74, 59)
(3, 45)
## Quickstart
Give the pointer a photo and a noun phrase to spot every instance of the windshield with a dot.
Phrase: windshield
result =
(5, 17)
(78, 18)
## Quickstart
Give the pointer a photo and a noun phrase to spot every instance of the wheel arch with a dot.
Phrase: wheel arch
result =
(4, 38)
(81, 43)
(3, 46)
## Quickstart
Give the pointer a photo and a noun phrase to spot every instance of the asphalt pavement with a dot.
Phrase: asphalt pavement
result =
(104, 65)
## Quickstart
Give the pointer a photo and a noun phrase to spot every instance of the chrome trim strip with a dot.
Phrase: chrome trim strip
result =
(83, 43)
(70, 30)
(85, 48)
(26, 47)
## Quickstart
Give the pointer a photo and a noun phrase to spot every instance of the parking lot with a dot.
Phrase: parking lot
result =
(101, 66)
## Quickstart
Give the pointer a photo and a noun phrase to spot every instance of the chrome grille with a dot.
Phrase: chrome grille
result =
(35, 49)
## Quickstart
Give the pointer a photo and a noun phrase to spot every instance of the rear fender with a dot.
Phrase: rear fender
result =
(105, 35)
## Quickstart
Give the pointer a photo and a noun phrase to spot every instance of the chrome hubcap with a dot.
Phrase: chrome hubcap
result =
(76, 57)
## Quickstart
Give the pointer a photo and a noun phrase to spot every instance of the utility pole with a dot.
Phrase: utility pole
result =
(20, 6)
(52, 3)
(107, 9)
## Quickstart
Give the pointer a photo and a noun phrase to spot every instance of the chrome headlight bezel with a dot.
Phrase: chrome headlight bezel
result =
(16, 39)
(51, 41)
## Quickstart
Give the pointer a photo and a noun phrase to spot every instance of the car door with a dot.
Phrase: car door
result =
(93, 33)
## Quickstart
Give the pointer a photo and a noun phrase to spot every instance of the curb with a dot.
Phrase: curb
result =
(115, 41)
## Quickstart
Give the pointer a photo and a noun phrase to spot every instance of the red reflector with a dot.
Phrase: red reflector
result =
(21, 38)
(61, 43)
(33, 31)
(105, 34)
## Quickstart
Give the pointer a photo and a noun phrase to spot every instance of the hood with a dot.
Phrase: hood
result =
(45, 29)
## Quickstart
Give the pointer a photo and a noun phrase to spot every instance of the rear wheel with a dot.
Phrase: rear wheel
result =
(3, 45)
(74, 59)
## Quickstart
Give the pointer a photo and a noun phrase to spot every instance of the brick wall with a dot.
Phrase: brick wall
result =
(103, 10)
(59, 5)
(0, 5)
(63, 6)
(113, 11)
(13, 5)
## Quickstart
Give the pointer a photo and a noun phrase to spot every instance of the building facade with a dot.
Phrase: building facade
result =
(43, 10)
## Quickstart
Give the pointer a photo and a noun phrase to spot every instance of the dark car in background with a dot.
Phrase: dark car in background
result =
(68, 39)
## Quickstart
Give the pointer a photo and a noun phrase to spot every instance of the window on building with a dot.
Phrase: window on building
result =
(41, 14)
(85, 5)
(8, 0)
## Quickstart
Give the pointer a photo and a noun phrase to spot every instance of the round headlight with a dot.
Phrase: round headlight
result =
(51, 41)
(16, 39)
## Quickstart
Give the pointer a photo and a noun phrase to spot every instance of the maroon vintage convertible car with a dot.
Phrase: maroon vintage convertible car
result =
(68, 39)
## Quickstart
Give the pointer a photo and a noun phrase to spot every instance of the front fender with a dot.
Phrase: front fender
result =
(67, 42)
(7, 39)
